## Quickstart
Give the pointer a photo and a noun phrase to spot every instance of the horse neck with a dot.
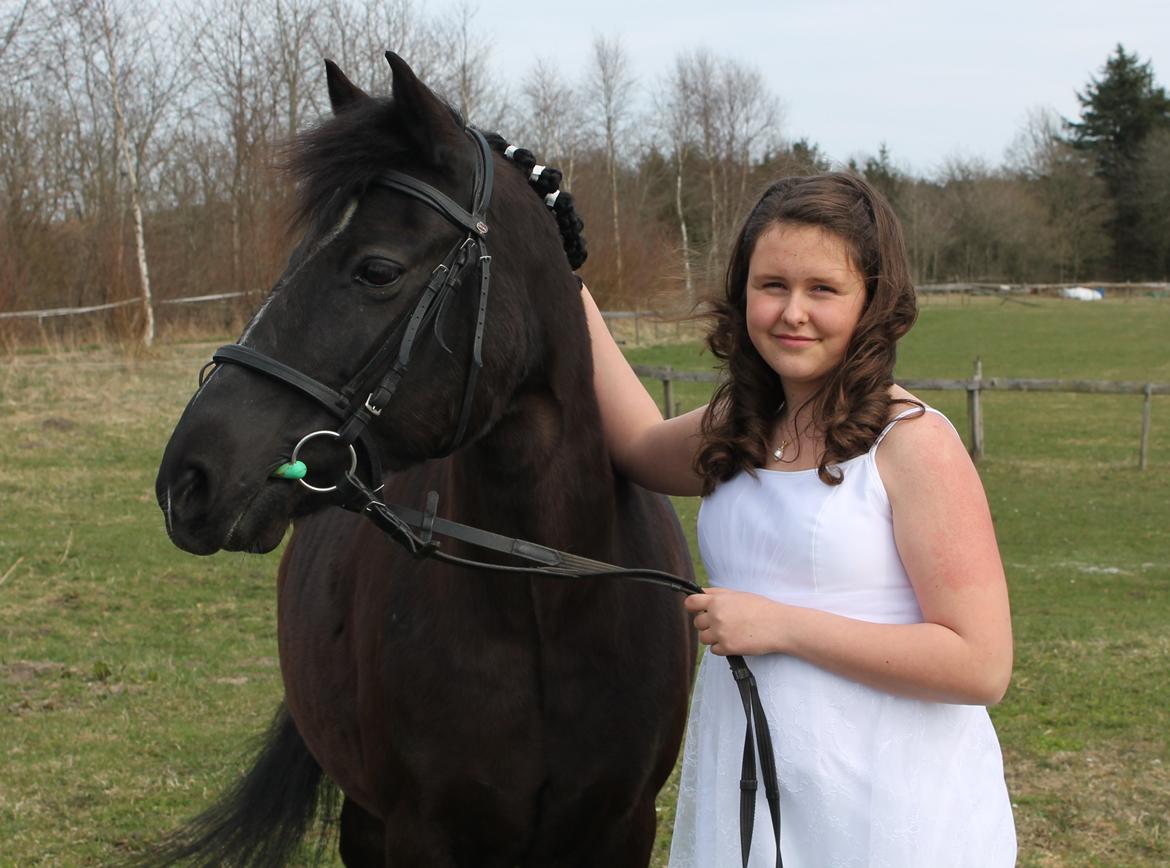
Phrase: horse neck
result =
(543, 471)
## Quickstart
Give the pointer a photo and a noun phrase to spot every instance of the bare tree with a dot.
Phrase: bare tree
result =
(342, 37)
(552, 121)
(13, 19)
(233, 65)
(357, 33)
(612, 87)
(465, 79)
(730, 120)
(928, 228)
(293, 36)
(702, 75)
(117, 101)
(114, 39)
(1075, 200)
(75, 89)
(749, 123)
(676, 122)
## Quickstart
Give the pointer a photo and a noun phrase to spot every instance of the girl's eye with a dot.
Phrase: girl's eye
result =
(823, 288)
(378, 272)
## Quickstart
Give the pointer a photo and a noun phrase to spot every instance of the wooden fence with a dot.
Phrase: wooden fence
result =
(974, 387)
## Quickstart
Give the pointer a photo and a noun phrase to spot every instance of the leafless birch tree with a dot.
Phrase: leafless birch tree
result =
(612, 86)
(111, 22)
(128, 97)
(676, 122)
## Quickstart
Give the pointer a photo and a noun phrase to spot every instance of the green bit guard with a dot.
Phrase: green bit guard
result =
(295, 470)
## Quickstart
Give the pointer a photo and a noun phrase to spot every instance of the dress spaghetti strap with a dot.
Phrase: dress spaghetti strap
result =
(911, 413)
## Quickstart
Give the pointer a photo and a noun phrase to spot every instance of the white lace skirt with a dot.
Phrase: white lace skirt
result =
(866, 778)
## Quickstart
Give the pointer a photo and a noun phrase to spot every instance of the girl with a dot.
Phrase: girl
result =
(865, 582)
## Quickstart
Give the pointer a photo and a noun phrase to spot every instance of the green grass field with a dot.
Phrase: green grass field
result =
(133, 676)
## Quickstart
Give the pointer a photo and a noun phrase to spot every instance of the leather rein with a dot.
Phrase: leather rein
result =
(380, 377)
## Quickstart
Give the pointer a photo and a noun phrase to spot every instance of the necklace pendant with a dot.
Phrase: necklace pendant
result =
(778, 452)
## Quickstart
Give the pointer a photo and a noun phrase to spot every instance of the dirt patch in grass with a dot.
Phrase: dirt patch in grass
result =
(26, 671)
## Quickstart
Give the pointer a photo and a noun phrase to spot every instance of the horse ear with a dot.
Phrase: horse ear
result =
(424, 116)
(343, 93)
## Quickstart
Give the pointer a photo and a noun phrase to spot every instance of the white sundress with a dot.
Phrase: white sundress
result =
(866, 778)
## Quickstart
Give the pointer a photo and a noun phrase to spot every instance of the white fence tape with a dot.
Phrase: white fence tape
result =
(70, 311)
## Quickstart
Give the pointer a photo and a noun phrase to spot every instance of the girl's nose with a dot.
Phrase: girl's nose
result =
(795, 311)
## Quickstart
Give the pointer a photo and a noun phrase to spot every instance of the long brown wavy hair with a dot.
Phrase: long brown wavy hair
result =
(853, 404)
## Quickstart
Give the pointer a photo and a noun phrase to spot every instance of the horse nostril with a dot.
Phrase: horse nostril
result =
(189, 492)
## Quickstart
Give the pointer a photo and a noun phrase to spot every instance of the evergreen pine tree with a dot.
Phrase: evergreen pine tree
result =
(1119, 111)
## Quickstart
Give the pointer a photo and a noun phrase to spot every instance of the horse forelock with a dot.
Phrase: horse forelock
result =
(337, 159)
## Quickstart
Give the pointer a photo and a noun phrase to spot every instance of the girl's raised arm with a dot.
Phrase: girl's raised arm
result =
(655, 454)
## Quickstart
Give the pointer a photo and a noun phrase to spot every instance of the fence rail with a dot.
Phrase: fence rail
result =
(49, 313)
(974, 387)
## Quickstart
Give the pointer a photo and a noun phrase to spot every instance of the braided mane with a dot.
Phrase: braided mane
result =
(547, 184)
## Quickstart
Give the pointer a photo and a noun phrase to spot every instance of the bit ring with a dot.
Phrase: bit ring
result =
(353, 459)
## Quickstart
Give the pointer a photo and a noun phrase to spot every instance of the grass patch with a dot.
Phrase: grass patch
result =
(133, 677)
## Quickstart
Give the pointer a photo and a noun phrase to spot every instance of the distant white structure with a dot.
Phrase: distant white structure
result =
(1082, 293)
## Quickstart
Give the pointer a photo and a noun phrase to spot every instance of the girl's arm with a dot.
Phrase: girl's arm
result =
(962, 652)
(655, 454)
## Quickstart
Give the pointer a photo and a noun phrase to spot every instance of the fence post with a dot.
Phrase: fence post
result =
(637, 332)
(667, 395)
(1144, 452)
(975, 410)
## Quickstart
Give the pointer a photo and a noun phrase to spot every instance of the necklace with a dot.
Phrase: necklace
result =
(778, 452)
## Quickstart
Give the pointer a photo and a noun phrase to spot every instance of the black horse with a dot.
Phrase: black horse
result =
(469, 718)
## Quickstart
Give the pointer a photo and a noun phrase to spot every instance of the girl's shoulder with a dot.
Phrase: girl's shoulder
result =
(919, 443)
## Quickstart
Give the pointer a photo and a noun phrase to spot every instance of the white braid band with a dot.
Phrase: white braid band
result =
(551, 198)
(535, 176)
(510, 150)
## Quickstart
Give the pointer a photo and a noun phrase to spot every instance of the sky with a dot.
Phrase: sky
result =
(932, 79)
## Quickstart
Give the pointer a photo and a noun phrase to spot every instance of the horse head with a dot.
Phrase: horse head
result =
(382, 328)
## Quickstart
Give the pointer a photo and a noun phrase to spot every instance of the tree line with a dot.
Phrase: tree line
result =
(138, 145)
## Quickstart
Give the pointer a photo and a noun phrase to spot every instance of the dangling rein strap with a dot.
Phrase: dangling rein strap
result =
(753, 710)
(414, 530)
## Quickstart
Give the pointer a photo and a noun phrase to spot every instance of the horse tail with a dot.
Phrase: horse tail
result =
(261, 821)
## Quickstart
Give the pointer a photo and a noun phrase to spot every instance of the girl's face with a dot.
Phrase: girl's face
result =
(804, 299)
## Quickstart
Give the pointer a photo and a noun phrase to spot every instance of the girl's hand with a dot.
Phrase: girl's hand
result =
(736, 622)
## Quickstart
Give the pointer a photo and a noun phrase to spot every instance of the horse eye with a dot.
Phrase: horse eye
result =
(376, 271)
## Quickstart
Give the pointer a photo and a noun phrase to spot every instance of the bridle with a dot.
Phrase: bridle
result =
(379, 379)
